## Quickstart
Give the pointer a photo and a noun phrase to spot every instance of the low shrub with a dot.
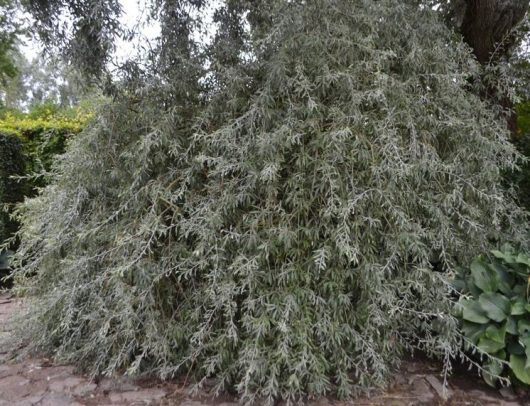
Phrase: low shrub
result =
(495, 312)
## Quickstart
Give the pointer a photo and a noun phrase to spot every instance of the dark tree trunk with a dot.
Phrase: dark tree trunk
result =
(487, 25)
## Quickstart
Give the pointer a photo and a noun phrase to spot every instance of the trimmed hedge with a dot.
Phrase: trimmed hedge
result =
(29, 143)
(44, 135)
(522, 141)
(12, 163)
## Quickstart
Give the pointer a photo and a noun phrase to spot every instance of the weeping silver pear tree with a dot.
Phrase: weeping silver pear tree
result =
(280, 208)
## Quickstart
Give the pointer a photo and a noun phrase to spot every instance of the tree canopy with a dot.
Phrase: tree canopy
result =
(8, 37)
(88, 37)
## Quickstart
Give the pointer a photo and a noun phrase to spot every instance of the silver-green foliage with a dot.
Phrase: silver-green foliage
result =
(279, 228)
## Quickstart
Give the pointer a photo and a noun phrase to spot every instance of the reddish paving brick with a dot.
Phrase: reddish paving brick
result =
(14, 387)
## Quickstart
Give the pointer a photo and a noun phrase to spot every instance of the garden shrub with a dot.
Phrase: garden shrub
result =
(521, 139)
(29, 143)
(11, 192)
(495, 312)
(44, 132)
(12, 164)
(289, 232)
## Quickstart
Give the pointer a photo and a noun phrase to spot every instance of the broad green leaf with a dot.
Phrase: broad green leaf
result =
(505, 278)
(518, 308)
(522, 259)
(484, 277)
(493, 368)
(498, 254)
(517, 364)
(506, 256)
(472, 288)
(496, 306)
(497, 334)
(473, 331)
(473, 312)
(526, 343)
(511, 326)
(500, 355)
(520, 274)
(489, 346)
(523, 327)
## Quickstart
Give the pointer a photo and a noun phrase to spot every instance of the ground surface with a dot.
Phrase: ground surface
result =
(40, 382)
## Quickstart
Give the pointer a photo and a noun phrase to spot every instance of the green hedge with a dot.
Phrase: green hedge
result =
(522, 140)
(43, 132)
(12, 163)
(29, 143)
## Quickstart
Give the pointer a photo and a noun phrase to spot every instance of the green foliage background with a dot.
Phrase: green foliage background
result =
(281, 210)
(11, 191)
(29, 143)
(9, 29)
(522, 140)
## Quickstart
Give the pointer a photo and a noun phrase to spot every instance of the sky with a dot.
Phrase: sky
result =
(133, 12)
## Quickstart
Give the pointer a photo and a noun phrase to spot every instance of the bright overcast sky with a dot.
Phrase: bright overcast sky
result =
(134, 13)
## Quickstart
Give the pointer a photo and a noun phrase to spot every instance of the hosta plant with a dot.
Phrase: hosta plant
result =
(495, 311)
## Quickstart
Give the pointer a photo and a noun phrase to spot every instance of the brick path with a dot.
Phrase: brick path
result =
(38, 381)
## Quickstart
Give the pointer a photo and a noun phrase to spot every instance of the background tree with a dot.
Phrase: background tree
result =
(43, 79)
(9, 28)
(86, 37)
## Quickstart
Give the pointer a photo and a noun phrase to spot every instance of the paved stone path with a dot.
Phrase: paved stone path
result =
(38, 381)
